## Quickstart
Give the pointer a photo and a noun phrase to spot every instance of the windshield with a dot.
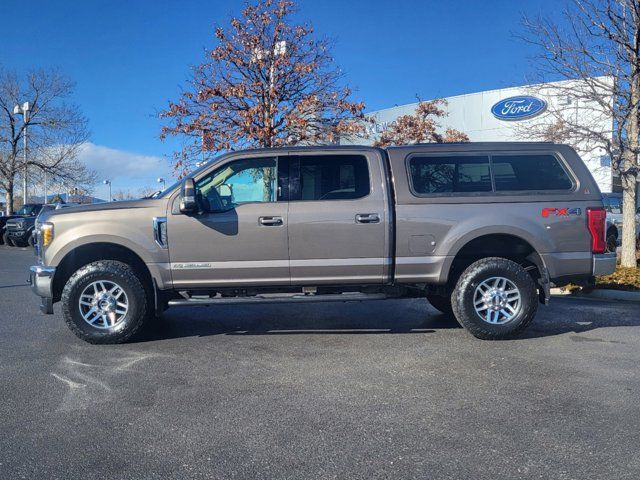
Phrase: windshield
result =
(174, 185)
(27, 210)
(612, 204)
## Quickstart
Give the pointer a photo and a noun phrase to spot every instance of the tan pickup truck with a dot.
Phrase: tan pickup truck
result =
(481, 230)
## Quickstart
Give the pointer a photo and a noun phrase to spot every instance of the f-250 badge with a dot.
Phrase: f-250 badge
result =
(560, 212)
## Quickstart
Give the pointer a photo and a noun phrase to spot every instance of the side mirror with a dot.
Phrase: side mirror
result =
(188, 202)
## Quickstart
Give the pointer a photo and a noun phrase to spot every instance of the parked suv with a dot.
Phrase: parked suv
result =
(613, 205)
(481, 230)
(18, 228)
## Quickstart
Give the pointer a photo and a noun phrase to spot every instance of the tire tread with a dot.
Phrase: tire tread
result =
(477, 328)
(113, 267)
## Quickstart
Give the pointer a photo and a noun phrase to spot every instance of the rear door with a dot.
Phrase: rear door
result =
(339, 218)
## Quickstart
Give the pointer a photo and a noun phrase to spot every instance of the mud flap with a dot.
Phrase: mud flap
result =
(46, 305)
(544, 291)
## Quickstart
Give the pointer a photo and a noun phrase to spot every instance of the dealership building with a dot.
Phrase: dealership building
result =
(514, 114)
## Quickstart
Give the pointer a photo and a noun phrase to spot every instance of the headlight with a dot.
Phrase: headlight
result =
(46, 233)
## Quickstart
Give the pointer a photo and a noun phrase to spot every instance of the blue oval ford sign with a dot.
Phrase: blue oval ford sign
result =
(518, 108)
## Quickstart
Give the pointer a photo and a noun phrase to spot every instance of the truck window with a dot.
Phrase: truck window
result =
(243, 181)
(333, 177)
(529, 172)
(450, 174)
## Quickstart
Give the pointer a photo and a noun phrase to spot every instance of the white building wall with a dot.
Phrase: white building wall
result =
(472, 115)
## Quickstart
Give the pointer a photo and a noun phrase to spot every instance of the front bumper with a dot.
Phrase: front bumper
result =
(18, 234)
(41, 280)
(604, 264)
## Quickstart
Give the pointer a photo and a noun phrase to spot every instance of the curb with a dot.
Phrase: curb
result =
(600, 294)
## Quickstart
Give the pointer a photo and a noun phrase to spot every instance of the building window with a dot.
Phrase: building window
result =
(529, 173)
(450, 174)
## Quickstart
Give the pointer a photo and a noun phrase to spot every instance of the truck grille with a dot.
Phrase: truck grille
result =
(15, 226)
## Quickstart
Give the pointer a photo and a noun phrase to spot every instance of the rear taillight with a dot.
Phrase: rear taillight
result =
(596, 221)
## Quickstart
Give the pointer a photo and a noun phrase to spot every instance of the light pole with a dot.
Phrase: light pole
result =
(164, 184)
(108, 182)
(24, 110)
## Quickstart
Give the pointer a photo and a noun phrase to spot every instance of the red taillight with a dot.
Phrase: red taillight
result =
(596, 221)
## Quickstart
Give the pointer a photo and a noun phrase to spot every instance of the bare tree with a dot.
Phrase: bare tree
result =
(268, 82)
(56, 130)
(600, 47)
(147, 192)
(120, 195)
(421, 127)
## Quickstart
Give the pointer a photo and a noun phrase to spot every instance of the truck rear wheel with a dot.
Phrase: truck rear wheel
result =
(105, 302)
(495, 299)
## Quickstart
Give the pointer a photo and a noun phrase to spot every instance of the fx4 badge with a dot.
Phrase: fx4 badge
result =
(560, 212)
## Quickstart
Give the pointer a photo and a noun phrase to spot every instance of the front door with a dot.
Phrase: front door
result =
(239, 237)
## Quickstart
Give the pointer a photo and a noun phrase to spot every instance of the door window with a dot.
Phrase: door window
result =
(249, 180)
(332, 177)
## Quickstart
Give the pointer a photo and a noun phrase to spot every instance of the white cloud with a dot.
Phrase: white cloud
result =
(125, 169)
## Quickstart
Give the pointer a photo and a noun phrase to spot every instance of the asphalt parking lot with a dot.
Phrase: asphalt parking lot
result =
(371, 390)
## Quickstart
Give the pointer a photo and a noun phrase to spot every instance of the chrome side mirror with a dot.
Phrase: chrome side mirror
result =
(188, 202)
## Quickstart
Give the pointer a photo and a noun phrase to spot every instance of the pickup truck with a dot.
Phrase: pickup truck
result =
(613, 205)
(480, 230)
(17, 229)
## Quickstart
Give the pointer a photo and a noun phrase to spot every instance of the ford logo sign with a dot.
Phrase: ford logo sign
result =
(518, 108)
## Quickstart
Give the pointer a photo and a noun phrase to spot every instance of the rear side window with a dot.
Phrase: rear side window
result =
(333, 177)
(450, 174)
(529, 172)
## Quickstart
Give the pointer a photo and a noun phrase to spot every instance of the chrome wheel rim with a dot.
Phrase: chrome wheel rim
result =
(103, 304)
(497, 300)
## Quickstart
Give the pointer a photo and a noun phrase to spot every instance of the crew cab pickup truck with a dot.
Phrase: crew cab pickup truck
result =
(17, 229)
(480, 230)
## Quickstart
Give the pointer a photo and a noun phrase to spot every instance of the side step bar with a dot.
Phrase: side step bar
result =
(278, 298)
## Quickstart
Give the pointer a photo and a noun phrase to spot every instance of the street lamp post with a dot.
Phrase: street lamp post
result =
(163, 182)
(108, 182)
(24, 110)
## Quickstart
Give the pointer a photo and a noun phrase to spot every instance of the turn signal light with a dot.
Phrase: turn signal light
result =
(46, 232)
(596, 222)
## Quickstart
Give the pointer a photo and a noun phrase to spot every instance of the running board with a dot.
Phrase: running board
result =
(278, 298)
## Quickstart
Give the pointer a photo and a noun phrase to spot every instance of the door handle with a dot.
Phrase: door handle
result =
(367, 218)
(270, 221)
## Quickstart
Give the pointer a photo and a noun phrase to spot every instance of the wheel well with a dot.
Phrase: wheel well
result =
(93, 252)
(497, 245)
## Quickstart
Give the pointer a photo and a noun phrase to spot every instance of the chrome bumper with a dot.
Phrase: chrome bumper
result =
(604, 264)
(41, 280)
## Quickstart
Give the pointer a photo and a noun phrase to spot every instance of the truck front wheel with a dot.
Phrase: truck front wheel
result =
(7, 240)
(105, 302)
(495, 299)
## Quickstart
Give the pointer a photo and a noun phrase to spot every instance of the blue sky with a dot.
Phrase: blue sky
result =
(129, 58)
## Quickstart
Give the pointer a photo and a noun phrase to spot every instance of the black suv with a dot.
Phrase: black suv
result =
(17, 229)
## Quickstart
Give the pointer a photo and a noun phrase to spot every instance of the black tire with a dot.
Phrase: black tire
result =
(113, 271)
(464, 292)
(7, 241)
(441, 303)
(612, 242)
